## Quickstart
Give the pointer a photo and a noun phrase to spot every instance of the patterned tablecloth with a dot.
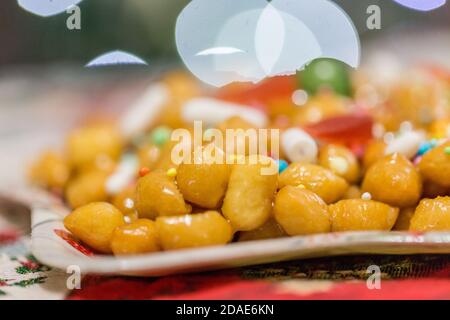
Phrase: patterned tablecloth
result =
(402, 277)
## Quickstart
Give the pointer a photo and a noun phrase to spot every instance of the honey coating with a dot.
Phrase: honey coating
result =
(157, 195)
(404, 219)
(435, 165)
(374, 152)
(203, 184)
(248, 200)
(269, 230)
(319, 180)
(94, 224)
(193, 230)
(86, 144)
(432, 215)
(341, 161)
(51, 170)
(362, 215)
(393, 180)
(141, 236)
(301, 212)
(87, 187)
(124, 201)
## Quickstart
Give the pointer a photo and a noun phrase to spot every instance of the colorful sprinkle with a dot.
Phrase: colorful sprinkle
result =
(447, 151)
(160, 135)
(424, 148)
(301, 186)
(282, 165)
(172, 172)
(143, 171)
(417, 160)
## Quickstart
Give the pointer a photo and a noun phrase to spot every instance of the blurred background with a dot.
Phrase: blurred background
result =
(45, 89)
(146, 28)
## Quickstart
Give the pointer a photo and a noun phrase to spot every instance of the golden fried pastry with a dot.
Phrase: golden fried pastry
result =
(141, 236)
(319, 180)
(301, 212)
(94, 224)
(362, 215)
(393, 180)
(432, 215)
(193, 230)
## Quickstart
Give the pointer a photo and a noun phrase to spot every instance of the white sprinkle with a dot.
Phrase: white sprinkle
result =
(366, 196)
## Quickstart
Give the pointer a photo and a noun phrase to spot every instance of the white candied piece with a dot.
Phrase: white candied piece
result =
(406, 144)
(145, 111)
(299, 146)
(213, 111)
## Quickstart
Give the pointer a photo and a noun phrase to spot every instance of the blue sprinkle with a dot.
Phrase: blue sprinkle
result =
(424, 148)
(282, 165)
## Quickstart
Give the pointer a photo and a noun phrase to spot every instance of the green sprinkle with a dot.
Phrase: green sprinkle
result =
(160, 135)
(447, 151)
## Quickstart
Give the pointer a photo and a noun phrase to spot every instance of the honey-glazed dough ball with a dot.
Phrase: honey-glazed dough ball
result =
(432, 215)
(193, 230)
(203, 182)
(158, 195)
(393, 180)
(319, 180)
(362, 215)
(94, 224)
(435, 165)
(301, 212)
(141, 236)
(248, 200)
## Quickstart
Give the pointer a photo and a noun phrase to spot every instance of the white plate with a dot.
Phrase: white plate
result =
(51, 249)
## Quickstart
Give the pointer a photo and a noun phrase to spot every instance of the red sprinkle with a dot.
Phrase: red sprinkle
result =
(143, 172)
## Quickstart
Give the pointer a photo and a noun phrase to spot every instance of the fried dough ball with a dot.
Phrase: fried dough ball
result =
(432, 215)
(85, 145)
(51, 170)
(193, 230)
(204, 183)
(435, 165)
(341, 161)
(319, 180)
(301, 212)
(393, 180)
(157, 195)
(141, 236)
(248, 200)
(94, 224)
(87, 187)
(362, 215)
